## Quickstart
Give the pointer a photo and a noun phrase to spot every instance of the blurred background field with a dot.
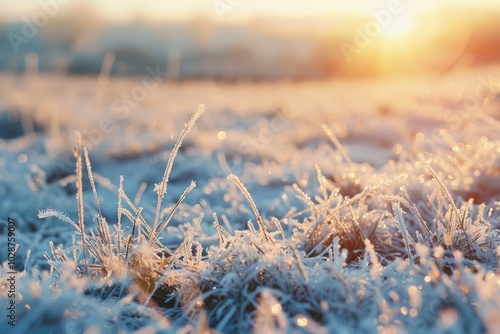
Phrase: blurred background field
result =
(243, 40)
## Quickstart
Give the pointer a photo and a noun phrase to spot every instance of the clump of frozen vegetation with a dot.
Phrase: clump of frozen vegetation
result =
(371, 251)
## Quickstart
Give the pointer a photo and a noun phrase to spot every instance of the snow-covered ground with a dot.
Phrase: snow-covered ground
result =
(402, 174)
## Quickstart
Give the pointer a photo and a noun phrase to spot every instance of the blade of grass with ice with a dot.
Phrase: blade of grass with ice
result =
(161, 188)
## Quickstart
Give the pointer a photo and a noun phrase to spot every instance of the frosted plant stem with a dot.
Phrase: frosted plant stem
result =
(79, 196)
(163, 225)
(161, 189)
(399, 217)
(245, 192)
(337, 143)
(119, 221)
(91, 179)
(447, 195)
(103, 229)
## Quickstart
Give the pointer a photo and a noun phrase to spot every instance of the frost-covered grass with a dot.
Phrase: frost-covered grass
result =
(374, 222)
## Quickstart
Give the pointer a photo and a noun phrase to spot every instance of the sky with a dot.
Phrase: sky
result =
(123, 10)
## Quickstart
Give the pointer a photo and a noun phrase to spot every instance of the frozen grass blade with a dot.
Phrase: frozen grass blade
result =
(119, 217)
(131, 236)
(374, 272)
(144, 225)
(306, 198)
(249, 198)
(399, 217)
(91, 179)
(413, 209)
(279, 227)
(79, 195)
(223, 234)
(458, 216)
(444, 190)
(102, 225)
(155, 234)
(161, 188)
(322, 182)
(300, 265)
(329, 132)
(62, 216)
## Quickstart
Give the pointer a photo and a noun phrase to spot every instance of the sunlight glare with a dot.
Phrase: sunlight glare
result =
(399, 26)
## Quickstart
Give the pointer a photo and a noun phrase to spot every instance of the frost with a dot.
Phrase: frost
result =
(307, 240)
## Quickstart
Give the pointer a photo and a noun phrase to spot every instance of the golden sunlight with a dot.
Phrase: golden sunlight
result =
(399, 26)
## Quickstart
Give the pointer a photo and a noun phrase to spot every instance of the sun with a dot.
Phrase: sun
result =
(399, 26)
